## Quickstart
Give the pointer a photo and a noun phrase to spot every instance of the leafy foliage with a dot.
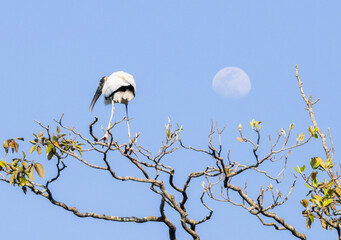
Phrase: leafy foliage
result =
(323, 201)
(20, 170)
(325, 194)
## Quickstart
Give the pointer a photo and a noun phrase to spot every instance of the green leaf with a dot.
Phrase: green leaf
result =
(39, 150)
(51, 153)
(20, 138)
(49, 148)
(321, 162)
(302, 168)
(314, 163)
(327, 202)
(310, 129)
(39, 169)
(329, 163)
(58, 130)
(313, 175)
(313, 132)
(255, 123)
(314, 180)
(328, 193)
(22, 181)
(311, 217)
(291, 127)
(54, 139)
(30, 172)
(33, 148)
(3, 164)
(297, 169)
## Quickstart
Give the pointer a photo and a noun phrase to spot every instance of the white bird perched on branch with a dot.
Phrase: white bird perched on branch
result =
(119, 87)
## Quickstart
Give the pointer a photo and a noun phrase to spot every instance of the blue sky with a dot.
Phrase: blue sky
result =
(53, 54)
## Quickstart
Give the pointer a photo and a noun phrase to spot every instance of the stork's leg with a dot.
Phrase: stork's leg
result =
(112, 113)
(106, 135)
(128, 123)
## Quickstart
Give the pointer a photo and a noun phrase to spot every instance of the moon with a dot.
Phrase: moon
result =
(231, 82)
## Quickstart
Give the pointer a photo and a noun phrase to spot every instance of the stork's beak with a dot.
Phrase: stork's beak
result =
(97, 94)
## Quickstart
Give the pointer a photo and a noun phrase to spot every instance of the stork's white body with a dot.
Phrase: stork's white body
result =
(119, 87)
(116, 81)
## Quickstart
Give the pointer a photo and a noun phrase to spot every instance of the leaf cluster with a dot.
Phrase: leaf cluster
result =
(52, 144)
(20, 170)
(325, 195)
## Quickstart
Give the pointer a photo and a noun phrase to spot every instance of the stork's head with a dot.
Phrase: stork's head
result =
(103, 80)
(98, 92)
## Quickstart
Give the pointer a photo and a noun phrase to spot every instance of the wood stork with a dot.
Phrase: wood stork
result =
(119, 87)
